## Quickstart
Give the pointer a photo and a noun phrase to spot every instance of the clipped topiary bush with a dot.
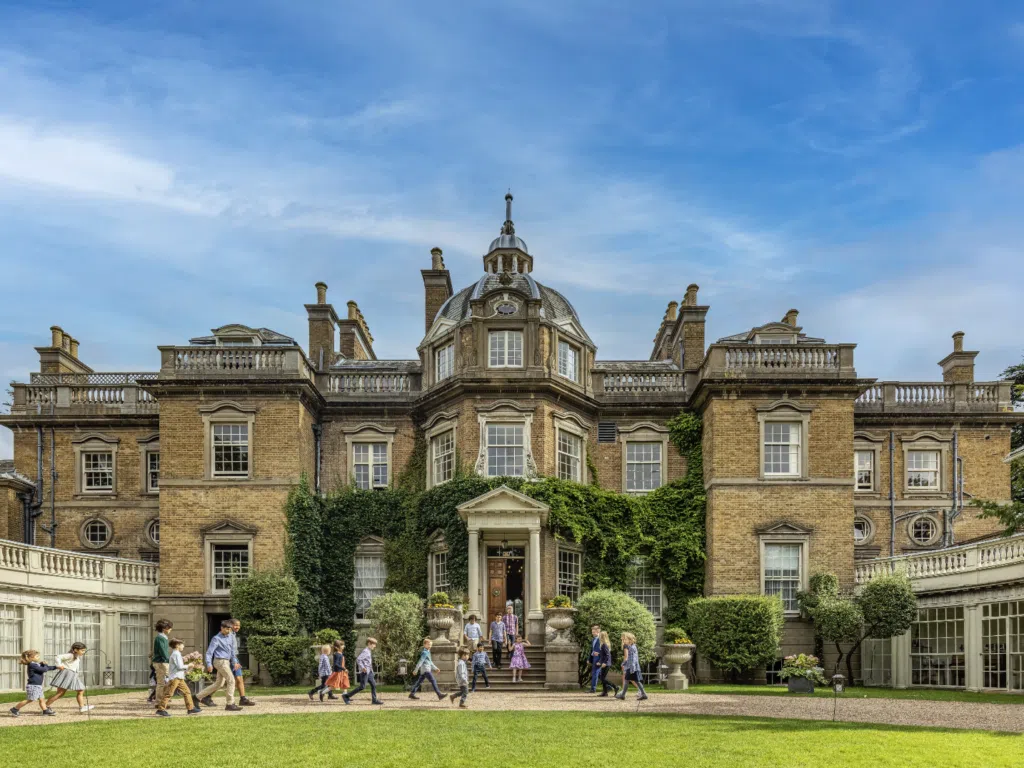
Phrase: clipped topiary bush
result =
(396, 620)
(266, 603)
(736, 633)
(287, 659)
(616, 612)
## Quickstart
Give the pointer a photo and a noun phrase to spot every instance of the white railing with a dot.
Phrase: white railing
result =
(229, 359)
(87, 379)
(88, 398)
(968, 558)
(369, 383)
(935, 396)
(923, 394)
(642, 382)
(781, 358)
(874, 394)
(983, 393)
(91, 571)
(109, 395)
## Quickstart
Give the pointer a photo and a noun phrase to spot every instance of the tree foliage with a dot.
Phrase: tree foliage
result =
(266, 603)
(736, 633)
(616, 612)
(396, 621)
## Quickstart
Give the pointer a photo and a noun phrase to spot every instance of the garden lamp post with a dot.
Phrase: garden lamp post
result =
(837, 688)
(108, 676)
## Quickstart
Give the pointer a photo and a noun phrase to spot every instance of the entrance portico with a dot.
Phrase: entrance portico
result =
(508, 522)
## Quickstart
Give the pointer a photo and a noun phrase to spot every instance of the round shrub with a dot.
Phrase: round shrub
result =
(266, 603)
(736, 633)
(396, 621)
(615, 612)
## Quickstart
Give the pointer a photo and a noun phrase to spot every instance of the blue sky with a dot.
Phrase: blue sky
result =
(168, 168)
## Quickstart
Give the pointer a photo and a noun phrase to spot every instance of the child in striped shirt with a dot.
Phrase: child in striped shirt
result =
(323, 671)
(481, 661)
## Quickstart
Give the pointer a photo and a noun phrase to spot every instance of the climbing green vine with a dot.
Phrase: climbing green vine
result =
(666, 527)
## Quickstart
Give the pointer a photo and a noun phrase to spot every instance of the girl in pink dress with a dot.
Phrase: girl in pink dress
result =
(519, 662)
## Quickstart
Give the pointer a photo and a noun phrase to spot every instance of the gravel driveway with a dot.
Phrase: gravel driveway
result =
(993, 717)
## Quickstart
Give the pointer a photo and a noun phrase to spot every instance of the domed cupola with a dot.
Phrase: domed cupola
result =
(508, 252)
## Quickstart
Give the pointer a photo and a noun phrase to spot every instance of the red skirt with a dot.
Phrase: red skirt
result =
(338, 681)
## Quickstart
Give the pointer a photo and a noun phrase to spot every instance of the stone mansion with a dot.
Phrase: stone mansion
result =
(159, 487)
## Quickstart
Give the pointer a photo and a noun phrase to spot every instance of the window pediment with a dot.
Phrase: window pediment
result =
(504, 500)
(228, 528)
(784, 404)
(224, 408)
(96, 437)
(784, 529)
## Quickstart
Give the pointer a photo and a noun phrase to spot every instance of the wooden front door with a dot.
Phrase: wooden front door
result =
(495, 587)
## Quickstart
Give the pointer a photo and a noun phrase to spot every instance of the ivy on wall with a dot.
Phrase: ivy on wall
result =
(665, 526)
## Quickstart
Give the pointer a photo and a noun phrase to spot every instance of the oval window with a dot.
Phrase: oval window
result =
(506, 309)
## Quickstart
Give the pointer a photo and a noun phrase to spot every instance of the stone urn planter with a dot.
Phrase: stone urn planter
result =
(561, 620)
(675, 655)
(800, 685)
(440, 621)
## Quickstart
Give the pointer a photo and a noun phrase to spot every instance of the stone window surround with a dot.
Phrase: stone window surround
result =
(574, 425)
(870, 530)
(522, 347)
(369, 433)
(786, 411)
(563, 338)
(149, 532)
(642, 561)
(368, 546)
(94, 442)
(573, 547)
(435, 350)
(643, 432)
(226, 532)
(935, 539)
(792, 536)
(85, 541)
(927, 441)
(226, 412)
(147, 445)
(438, 424)
(506, 412)
(863, 441)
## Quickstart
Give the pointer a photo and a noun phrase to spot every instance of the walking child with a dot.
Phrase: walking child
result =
(604, 663)
(220, 655)
(175, 681)
(323, 671)
(472, 632)
(519, 662)
(338, 681)
(161, 656)
(364, 673)
(425, 668)
(34, 683)
(480, 664)
(595, 656)
(461, 679)
(243, 700)
(630, 667)
(497, 632)
(67, 679)
(511, 622)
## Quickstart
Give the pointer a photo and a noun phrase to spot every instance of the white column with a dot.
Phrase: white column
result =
(972, 647)
(901, 661)
(474, 570)
(534, 597)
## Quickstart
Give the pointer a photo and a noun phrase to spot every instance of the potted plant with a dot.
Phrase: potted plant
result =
(677, 649)
(560, 616)
(441, 615)
(801, 672)
(196, 676)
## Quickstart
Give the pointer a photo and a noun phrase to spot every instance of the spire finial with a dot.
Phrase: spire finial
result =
(508, 228)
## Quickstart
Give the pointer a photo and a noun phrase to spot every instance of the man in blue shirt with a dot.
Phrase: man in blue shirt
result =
(220, 655)
(595, 657)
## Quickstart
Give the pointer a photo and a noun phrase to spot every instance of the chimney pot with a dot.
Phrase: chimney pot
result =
(690, 299)
(56, 336)
(321, 293)
(66, 343)
(436, 259)
(670, 314)
(353, 310)
(790, 318)
(74, 348)
(958, 341)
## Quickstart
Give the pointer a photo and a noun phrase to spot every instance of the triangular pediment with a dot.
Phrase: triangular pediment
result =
(441, 327)
(784, 529)
(229, 527)
(503, 500)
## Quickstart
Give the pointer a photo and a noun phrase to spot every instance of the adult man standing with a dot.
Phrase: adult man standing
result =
(236, 627)
(595, 656)
(220, 655)
(161, 656)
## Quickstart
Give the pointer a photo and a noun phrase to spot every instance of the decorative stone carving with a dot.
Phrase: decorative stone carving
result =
(440, 621)
(561, 620)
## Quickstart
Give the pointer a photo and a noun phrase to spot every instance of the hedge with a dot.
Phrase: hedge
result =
(615, 612)
(736, 633)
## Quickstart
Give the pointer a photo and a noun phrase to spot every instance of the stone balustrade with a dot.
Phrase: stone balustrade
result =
(371, 383)
(913, 396)
(240, 361)
(987, 562)
(775, 360)
(633, 380)
(67, 395)
(59, 570)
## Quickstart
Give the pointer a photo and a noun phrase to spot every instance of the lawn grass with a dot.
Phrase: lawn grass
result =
(916, 694)
(405, 739)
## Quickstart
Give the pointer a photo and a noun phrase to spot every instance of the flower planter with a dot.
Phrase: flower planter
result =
(561, 620)
(675, 655)
(800, 685)
(440, 621)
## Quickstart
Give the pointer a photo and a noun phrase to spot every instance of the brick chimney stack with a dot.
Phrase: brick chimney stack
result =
(437, 287)
(692, 318)
(790, 318)
(354, 339)
(323, 323)
(958, 366)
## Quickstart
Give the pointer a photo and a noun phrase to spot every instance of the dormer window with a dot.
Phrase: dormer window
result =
(237, 341)
(775, 338)
(505, 349)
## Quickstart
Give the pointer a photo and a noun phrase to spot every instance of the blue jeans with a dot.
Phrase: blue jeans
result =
(419, 681)
(595, 673)
(364, 679)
